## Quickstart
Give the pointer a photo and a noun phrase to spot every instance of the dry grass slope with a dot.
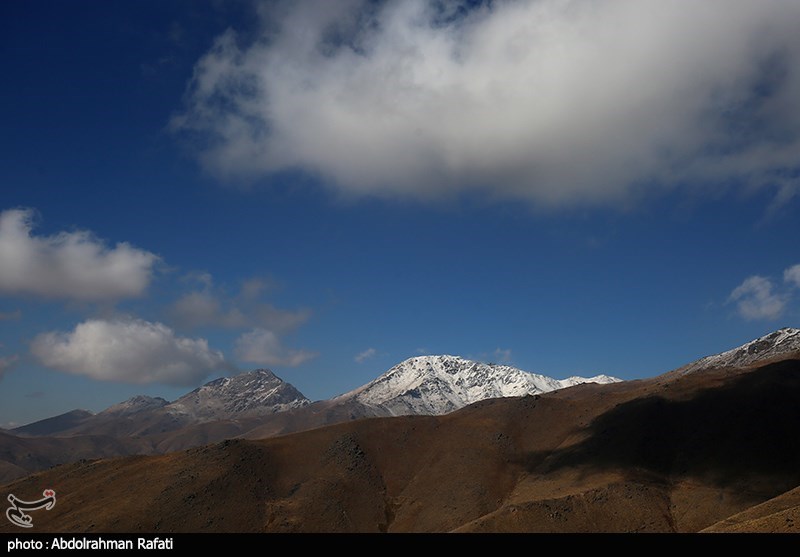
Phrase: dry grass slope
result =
(716, 451)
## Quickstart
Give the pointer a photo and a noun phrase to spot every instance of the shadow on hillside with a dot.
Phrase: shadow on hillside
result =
(748, 429)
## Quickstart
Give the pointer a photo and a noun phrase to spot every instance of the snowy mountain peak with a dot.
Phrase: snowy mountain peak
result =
(441, 384)
(780, 344)
(252, 393)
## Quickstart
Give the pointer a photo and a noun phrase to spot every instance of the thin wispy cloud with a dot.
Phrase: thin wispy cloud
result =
(211, 306)
(362, 357)
(129, 351)
(792, 276)
(551, 101)
(6, 363)
(503, 356)
(264, 347)
(68, 265)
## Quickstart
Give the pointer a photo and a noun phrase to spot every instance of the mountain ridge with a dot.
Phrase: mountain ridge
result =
(679, 453)
(401, 390)
(780, 344)
(159, 427)
(246, 395)
(261, 392)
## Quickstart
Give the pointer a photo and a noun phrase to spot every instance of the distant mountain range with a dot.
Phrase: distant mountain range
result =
(428, 385)
(447, 445)
(253, 394)
(259, 404)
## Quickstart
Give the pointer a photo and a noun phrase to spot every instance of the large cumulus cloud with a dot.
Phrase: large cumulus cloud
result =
(553, 101)
(129, 351)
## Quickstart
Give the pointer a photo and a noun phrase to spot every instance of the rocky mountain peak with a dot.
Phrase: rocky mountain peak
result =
(253, 393)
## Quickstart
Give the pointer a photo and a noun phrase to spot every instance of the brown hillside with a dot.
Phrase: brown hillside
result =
(671, 454)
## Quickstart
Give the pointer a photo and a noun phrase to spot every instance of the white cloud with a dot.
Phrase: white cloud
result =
(128, 351)
(73, 265)
(6, 363)
(263, 347)
(553, 101)
(792, 276)
(361, 357)
(755, 299)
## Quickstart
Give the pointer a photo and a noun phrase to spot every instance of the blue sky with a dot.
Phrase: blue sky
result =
(190, 189)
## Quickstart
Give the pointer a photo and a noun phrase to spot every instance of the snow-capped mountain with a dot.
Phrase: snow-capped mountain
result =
(441, 384)
(781, 344)
(254, 393)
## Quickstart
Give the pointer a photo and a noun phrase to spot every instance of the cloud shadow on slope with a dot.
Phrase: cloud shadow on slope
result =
(747, 429)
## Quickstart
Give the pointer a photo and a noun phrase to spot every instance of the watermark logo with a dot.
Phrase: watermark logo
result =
(16, 512)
